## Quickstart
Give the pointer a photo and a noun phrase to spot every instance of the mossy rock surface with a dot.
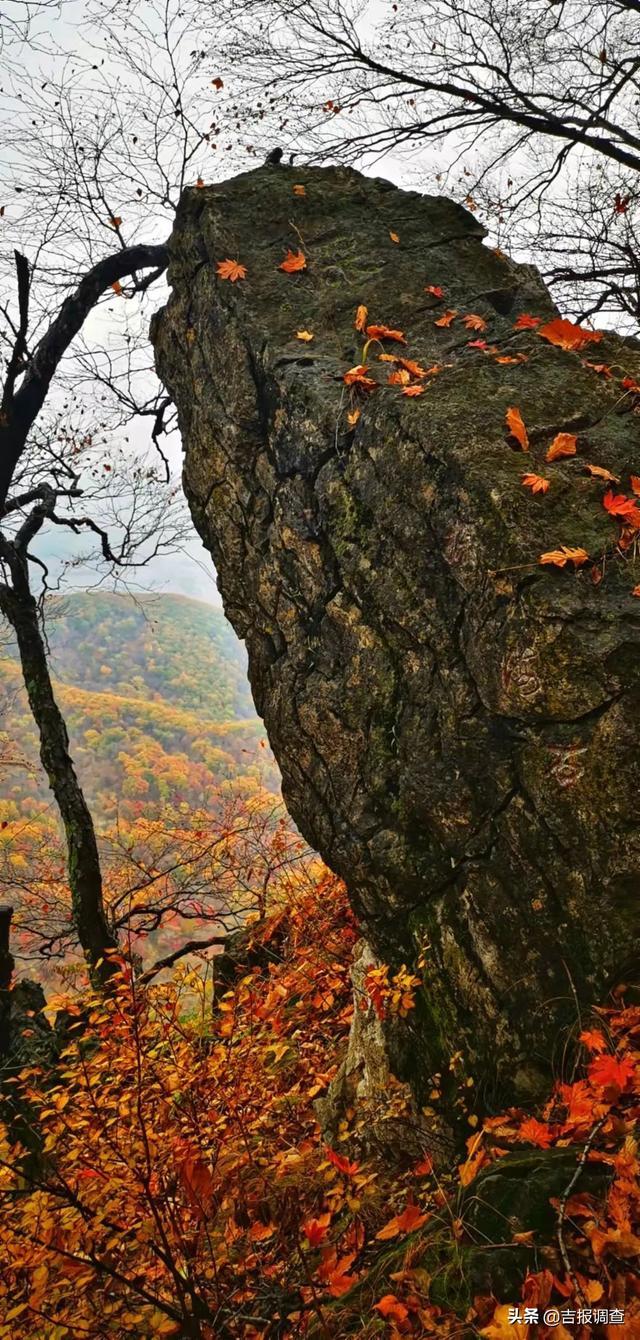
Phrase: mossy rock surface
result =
(456, 725)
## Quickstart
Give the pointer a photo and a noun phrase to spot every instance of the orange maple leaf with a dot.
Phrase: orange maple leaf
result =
(357, 377)
(413, 390)
(515, 424)
(566, 335)
(232, 270)
(526, 322)
(635, 484)
(353, 416)
(473, 322)
(407, 1222)
(636, 590)
(446, 318)
(435, 290)
(560, 557)
(537, 483)
(299, 190)
(361, 317)
(564, 444)
(630, 385)
(394, 237)
(294, 260)
(536, 1132)
(599, 472)
(593, 1039)
(399, 377)
(304, 335)
(385, 333)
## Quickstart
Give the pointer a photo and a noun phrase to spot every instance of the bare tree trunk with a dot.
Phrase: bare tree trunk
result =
(6, 972)
(85, 878)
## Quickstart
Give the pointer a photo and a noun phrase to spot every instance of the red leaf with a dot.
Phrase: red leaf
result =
(342, 1164)
(610, 1074)
(568, 336)
(526, 322)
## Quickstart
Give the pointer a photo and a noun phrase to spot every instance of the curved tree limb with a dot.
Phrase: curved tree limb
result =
(21, 407)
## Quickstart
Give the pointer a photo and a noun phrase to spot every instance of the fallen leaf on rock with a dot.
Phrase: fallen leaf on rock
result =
(515, 424)
(385, 333)
(526, 322)
(414, 368)
(566, 335)
(446, 318)
(305, 335)
(599, 472)
(299, 190)
(294, 260)
(394, 237)
(617, 505)
(357, 377)
(232, 270)
(537, 483)
(564, 444)
(361, 317)
(560, 557)
(473, 322)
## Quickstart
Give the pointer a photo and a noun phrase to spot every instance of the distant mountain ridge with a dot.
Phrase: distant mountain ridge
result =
(157, 703)
(158, 647)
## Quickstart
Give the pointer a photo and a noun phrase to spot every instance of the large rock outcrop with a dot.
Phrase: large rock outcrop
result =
(456, 725)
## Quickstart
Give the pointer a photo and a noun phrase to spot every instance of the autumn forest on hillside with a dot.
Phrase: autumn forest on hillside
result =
(319, 919)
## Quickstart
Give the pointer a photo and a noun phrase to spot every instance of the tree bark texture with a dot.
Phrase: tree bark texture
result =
(83, 862)
(455, 724)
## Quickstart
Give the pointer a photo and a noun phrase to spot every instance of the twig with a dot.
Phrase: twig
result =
(563, 1206)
